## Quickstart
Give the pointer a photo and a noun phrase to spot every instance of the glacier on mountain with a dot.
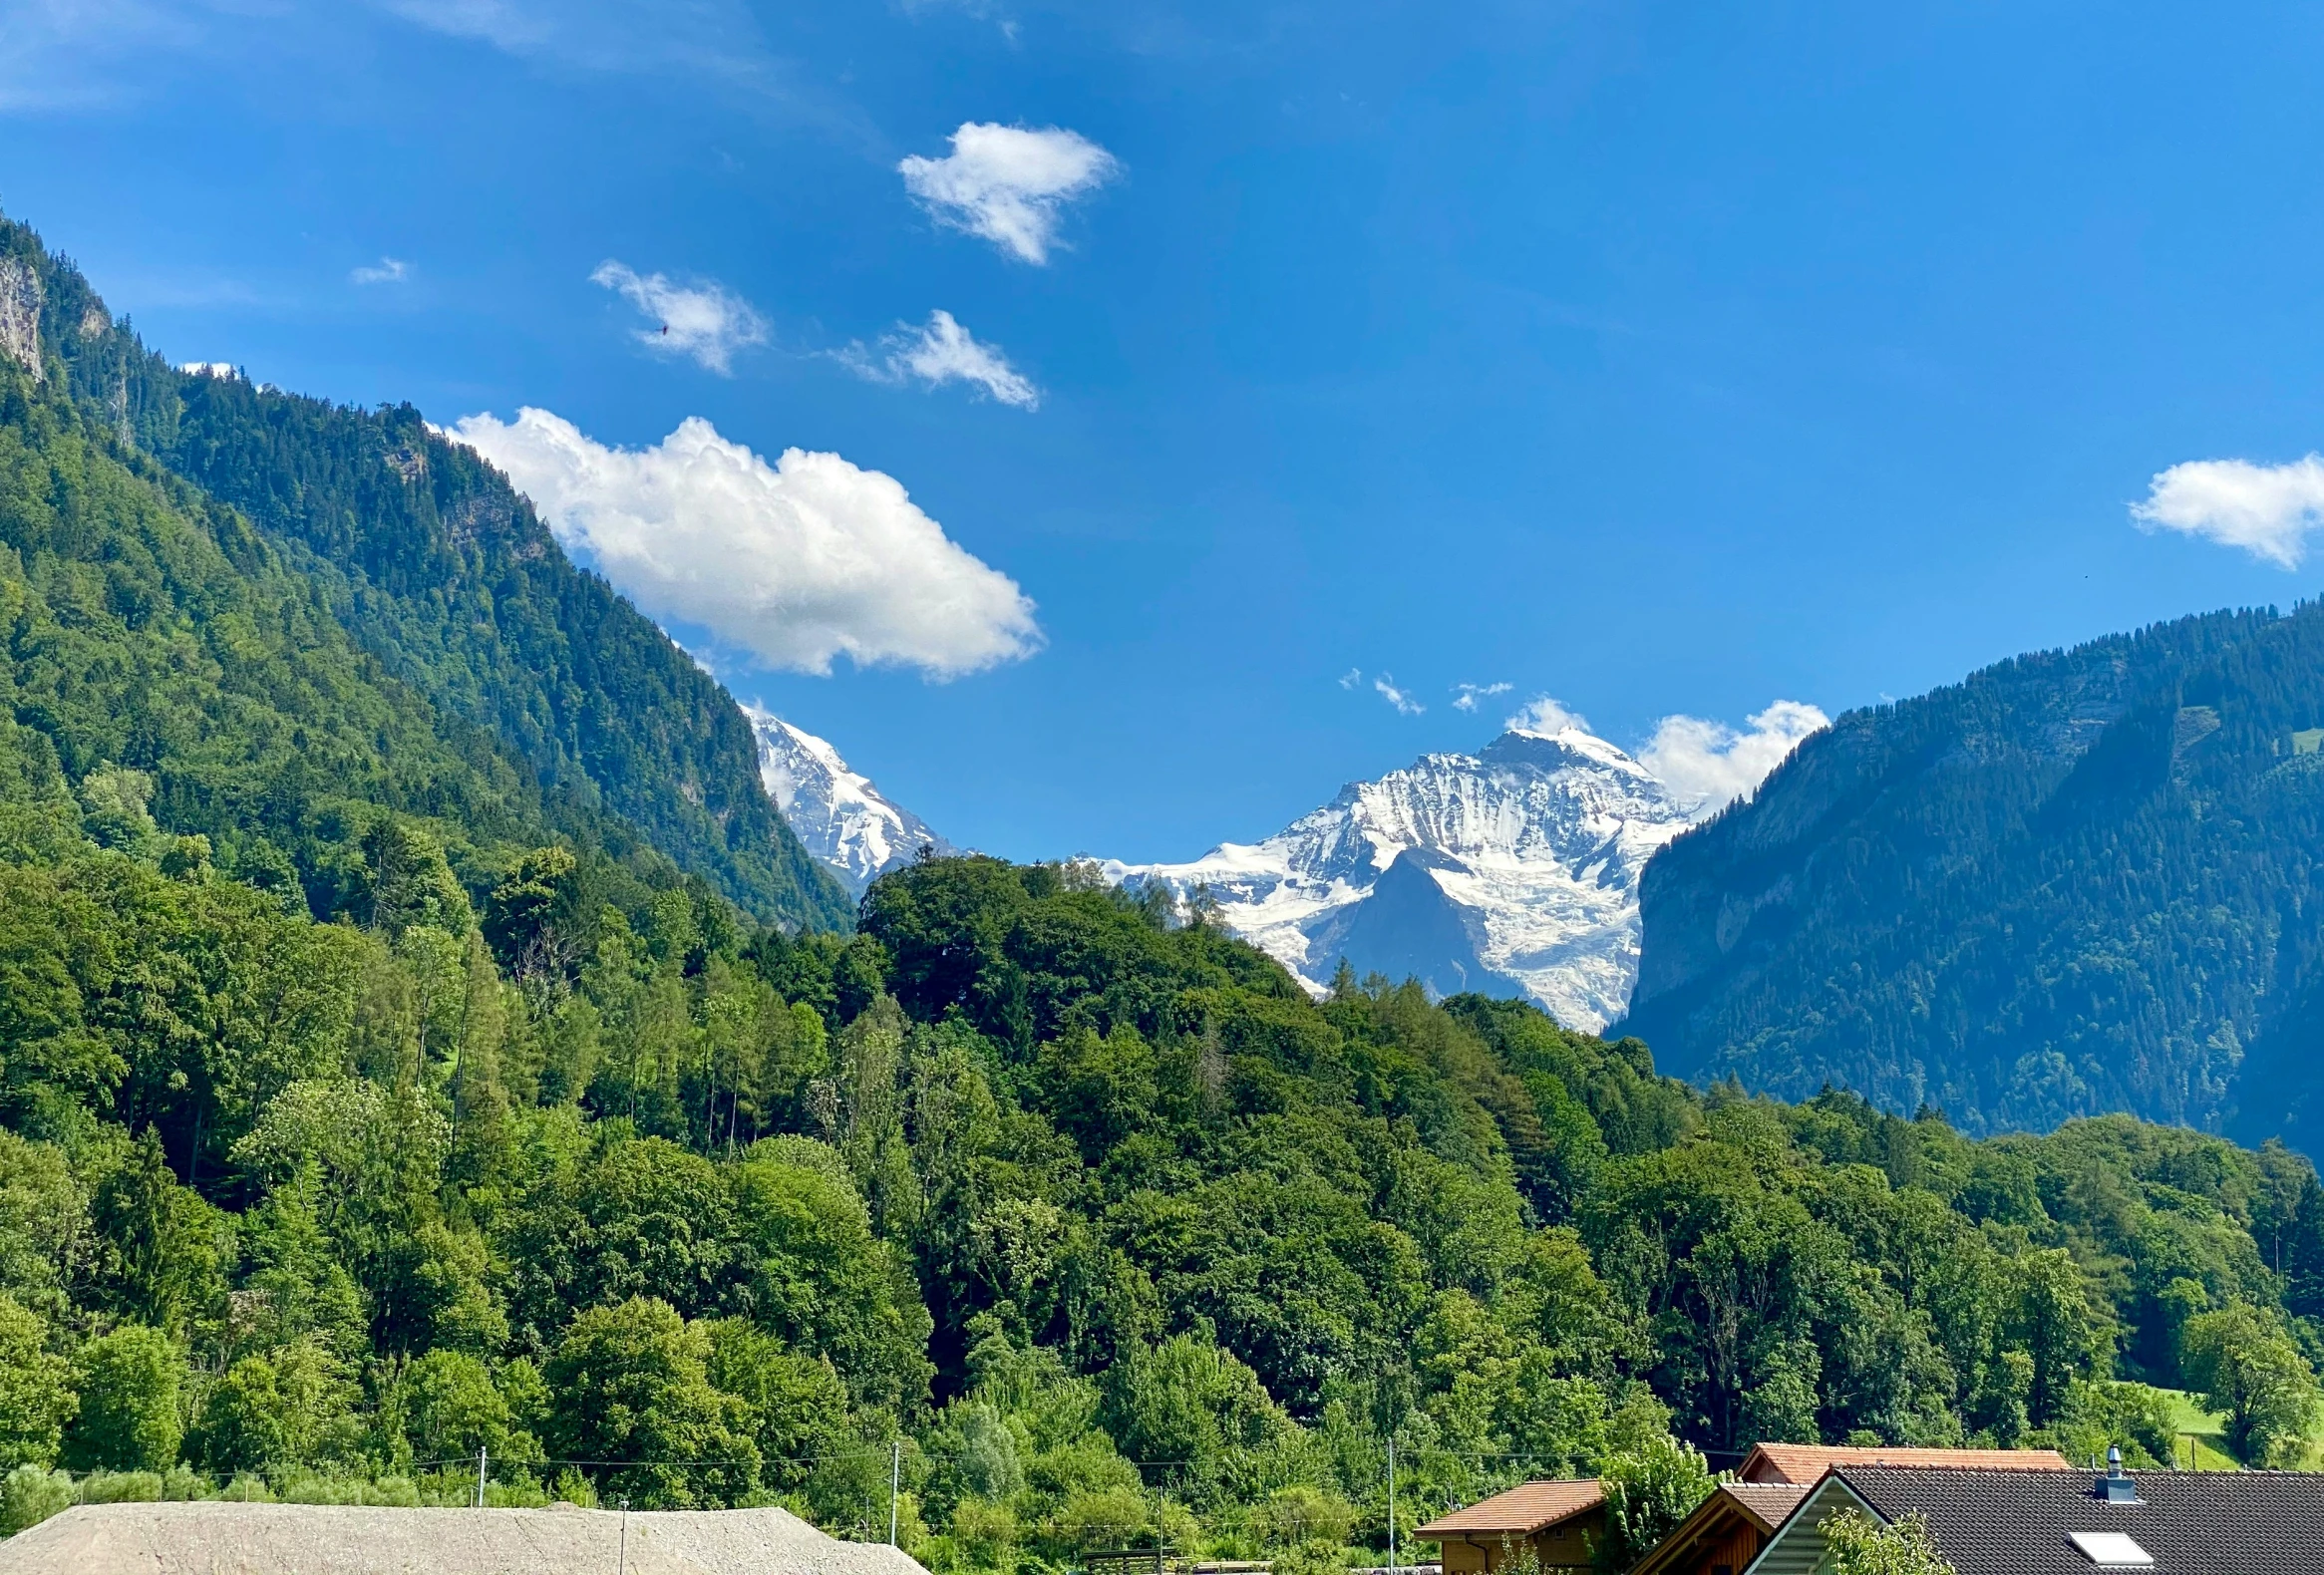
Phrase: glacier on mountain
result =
(837, 814)
(1512, 872)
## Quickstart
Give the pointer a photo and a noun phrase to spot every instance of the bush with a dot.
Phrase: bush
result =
(34, 1400)
(1295, 1516)
(1114, 1517)
(1861, 1545)
(30, 1494)
(985, 1534)
(393, 1492)
(2141, 1420)
(1648, 1493)
(120, 1488)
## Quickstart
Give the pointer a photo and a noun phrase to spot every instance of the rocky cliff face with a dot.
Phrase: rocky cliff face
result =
(1512, 871)
(20, 304)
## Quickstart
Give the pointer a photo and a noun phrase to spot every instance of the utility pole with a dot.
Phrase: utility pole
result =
(481, 1453)
(624, 1569)
(1391, 1504)
(894, 1475)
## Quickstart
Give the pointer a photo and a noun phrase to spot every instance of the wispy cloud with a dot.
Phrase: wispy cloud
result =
(388, 270)
(58, 54)
(510, 24)
(706, 320)
(1385, 686)
(940, 352)
(1709, 764)
(1352, 678)
(1466, 696)
(2266, 509)
(1544, 715)
(713, 37)
(794, 563)
(1007, 184)
(716, 48)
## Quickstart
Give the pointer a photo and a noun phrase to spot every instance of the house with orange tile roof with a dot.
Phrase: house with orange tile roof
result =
(1562, 1521)
(1805, 1464)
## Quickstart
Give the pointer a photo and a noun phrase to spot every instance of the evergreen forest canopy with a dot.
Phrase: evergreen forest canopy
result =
(383, 1083)
(2077, 882)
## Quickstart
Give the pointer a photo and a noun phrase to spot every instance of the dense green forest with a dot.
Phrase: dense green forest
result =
(374, 1099)
(1092, 1215)
(444, 576)
(2079, 881)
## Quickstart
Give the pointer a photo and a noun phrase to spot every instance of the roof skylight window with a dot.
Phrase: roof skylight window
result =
(2111, 1550)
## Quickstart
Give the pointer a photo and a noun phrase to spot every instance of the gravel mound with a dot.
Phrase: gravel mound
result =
(211, 1538)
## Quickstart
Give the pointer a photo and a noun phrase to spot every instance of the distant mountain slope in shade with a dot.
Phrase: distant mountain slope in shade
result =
(1509, 872)
(837, 814)
(2079, 881)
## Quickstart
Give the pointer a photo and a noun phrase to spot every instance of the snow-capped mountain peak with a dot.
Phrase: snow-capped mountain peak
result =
(837, 813)
(1512, 872)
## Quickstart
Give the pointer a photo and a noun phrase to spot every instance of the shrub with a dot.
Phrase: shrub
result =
(29, 1495)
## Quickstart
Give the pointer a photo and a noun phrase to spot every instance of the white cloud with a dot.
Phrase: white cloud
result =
(1709, 764)
(1546, 716)
(1007, 183)
(945, 352)
(1466, 696)
(2266, 509)
(1351, 677)
(794, 562)
(1406, 705)
(208, 368)
(388, 270)
(706, 321)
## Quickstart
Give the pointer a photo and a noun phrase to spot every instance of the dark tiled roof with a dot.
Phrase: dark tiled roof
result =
(1526, 1508)
(1805, 1464)
(2191, 1522)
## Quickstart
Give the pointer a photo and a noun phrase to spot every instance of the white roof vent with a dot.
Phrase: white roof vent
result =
(2111, 1550)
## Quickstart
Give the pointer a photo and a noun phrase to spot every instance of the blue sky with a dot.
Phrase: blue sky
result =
(1666, 360)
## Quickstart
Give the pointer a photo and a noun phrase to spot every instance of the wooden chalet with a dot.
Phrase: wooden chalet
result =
(1726, 1531)
(1562, 1521)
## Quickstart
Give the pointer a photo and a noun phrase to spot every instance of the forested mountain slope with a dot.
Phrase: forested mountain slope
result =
(443, 573)
(1105, 1224)
(195, 760)
(2079, 881)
